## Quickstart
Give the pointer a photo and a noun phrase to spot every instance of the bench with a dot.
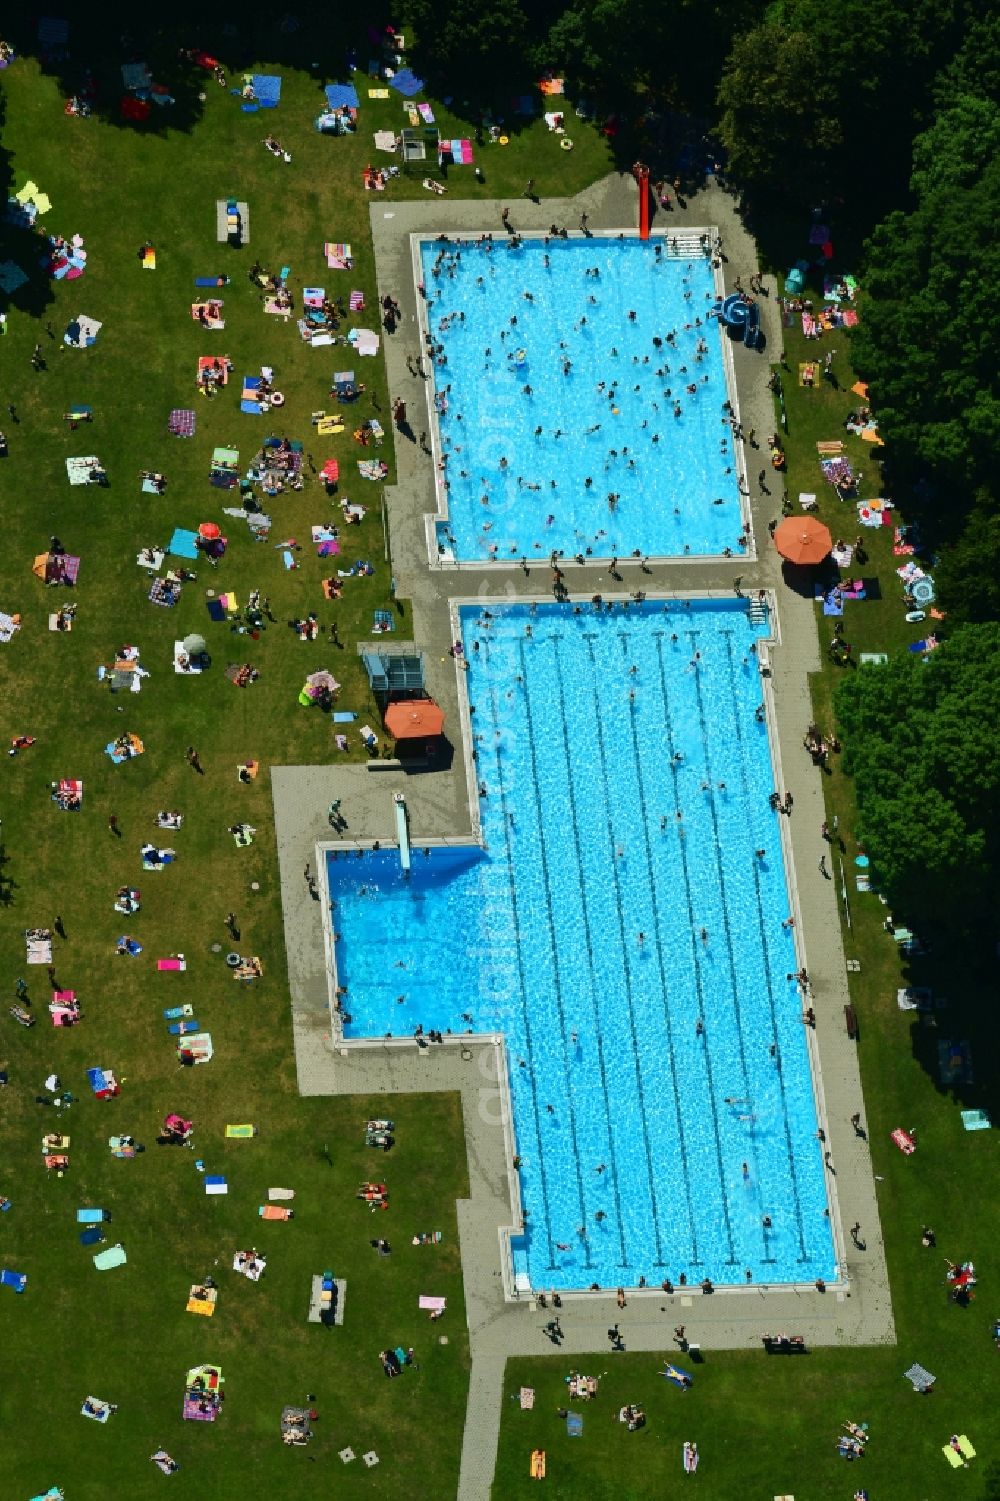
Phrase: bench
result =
(851, 1022)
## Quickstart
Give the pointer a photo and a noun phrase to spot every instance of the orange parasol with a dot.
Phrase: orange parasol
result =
(415, 717)
(803, 539)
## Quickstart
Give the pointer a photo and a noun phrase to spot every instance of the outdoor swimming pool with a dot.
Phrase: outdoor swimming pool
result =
(553, 402)
(622, 932)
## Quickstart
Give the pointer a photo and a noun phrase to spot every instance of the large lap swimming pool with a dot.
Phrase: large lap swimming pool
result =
(580, 389)
(623, 932)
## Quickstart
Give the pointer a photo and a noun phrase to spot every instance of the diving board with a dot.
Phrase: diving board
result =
(402, 829)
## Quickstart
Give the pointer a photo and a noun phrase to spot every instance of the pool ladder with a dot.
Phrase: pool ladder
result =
(758, 612)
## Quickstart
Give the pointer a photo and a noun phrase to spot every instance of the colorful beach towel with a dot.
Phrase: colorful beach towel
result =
(338, 255)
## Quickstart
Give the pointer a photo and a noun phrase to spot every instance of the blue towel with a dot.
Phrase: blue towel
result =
(183, 544)
(574, 1424)
(339, 95)
(406, 83)
(267, 87)
(344, 716)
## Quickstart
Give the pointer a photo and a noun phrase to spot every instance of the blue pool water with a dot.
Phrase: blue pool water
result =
(596, 834)
(608, 420)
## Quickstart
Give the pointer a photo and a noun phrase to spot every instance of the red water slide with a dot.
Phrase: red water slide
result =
(642, 178)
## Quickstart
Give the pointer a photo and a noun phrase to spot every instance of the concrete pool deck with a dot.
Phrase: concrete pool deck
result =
(858, 1313)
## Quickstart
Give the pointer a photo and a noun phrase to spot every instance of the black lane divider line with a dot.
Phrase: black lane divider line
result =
(556, 966)
(626, 963)
(582, 888)
(664, 988)
(728, 947)
(712, 1103)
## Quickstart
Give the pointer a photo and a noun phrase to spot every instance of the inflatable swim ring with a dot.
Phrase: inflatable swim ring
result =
(566, 144)
(277, 399)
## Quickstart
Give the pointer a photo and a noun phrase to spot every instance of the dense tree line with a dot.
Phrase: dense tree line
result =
(920, 741)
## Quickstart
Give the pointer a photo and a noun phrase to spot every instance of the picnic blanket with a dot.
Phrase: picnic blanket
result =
(8, 625)
(181, 423)
(183, 543)
(11, 276)
(267, 89)
(38, 942)
(210, 310)
(385, 140)
(81, 471)
(202, 1300)
(82, 332)
(338, 255)
(837, 472)
(342, 96)
(406, 82)
(364, 340)
(459, 152)
(875, 513)
(954, 1062)
(112, 1257)
(373, 469)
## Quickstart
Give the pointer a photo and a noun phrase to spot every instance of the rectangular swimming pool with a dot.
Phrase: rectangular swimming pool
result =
(580, 389)
(624, 928)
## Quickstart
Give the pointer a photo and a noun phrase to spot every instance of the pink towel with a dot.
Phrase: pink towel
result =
(357, 301)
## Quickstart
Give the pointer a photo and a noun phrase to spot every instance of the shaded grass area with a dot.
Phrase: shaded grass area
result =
(769, 1426)
(124, 1335)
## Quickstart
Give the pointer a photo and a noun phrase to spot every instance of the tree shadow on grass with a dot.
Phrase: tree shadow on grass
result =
(7, 883)
(20, 245)
(179, 57)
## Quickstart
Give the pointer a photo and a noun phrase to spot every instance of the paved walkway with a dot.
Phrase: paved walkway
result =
(858, 1310)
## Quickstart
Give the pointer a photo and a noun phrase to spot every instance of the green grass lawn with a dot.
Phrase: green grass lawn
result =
(124, 1335)
(769, 1426)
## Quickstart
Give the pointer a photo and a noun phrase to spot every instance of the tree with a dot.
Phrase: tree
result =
(479, 50)
(924, 342)
(967, 571)
(779, 118)
(921, 743)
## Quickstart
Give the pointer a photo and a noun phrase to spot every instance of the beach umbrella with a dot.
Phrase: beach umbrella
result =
(413, 718)
(323, 679)
(195, 645)
(803, 539)
(209, 530)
